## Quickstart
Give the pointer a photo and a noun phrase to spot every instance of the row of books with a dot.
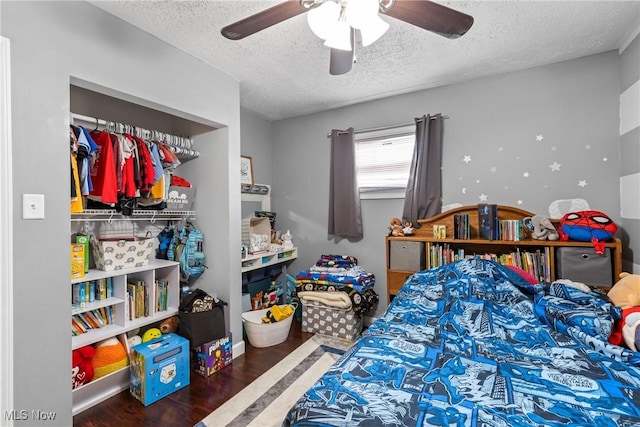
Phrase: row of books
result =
(138, 298)
(93, 319)
(537, 263)
(461, 228)
(511, 229)
(90, 291)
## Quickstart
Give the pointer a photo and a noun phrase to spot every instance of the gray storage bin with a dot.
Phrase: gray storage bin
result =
(407, 256)
(582, 264)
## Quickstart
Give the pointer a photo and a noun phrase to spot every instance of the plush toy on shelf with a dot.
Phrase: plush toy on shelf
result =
(110, 356)
(150, 334)
(169, 325)
(395, 227)
(81, 367)
(626, 295)
(541, 228)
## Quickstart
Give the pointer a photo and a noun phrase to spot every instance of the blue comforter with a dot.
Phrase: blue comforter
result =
(472, 344)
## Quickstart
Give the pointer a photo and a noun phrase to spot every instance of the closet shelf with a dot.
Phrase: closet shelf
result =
(138, 214)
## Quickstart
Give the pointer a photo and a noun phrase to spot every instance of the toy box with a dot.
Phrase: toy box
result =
(159, 367)
(210, 357)
(326, 320)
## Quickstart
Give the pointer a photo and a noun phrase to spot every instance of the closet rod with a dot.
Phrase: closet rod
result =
(385, 127)
(170, 141)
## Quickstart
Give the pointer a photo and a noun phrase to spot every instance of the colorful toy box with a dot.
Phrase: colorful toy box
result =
(210, 357)
(159, 367)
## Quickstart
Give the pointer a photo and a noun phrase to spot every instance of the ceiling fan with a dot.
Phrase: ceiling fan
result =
(337, 22)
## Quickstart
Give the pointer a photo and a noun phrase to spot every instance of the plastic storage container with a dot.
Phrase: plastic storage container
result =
(265, 334)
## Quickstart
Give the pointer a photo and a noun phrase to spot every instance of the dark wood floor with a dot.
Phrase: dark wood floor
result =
(188, 406)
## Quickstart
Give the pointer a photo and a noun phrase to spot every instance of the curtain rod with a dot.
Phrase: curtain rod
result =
(386, 127)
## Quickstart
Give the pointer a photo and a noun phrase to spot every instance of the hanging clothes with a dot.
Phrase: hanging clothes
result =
(76, 196)
(103, 172)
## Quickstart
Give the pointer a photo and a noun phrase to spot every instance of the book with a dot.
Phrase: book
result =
(488, 221)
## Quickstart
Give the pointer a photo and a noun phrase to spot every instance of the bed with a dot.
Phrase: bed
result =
(472, 343)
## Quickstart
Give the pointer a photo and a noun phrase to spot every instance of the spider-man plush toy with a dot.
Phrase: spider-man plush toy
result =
(587, 226)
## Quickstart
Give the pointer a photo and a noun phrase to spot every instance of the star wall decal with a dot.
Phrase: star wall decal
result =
(555, 166)
(582, 183)
(604, 159)
(464, 191)
(519, 202)
(493, 169)
(483, 197)
(539, 138)
(587, 147)
(466, 159)
(525, 175)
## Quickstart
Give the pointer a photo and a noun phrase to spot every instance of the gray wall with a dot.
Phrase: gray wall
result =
(574, 105)
(51, 43)
(630, 154)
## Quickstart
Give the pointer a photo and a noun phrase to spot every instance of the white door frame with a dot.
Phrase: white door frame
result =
(6, 236)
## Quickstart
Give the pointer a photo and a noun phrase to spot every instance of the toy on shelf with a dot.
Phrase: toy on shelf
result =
(110, 356)
(150, 334)
(541, 228)
(395, 227)
(81, 367)
(169, 325)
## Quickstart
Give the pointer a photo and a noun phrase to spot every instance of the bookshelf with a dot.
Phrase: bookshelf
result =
(421, 251)
(159, 306)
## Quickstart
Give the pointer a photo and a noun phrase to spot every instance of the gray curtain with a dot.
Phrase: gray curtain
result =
(345, 218)
(423, 198)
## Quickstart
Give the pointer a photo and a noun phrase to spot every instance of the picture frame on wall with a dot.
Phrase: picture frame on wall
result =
(246, 170)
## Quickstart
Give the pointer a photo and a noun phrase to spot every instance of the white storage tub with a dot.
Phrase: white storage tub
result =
(265, 334)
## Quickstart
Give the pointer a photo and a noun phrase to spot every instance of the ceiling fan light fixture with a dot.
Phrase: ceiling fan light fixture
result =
(340, 37)
(361, 13)
(323, 19)
(373, 31)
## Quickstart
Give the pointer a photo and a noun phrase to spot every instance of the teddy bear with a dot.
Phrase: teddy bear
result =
(541, 228)
(625, 294)
(81, 367)
(169, 325)
(395, 227)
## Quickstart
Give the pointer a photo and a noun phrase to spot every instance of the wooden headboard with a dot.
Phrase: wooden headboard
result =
(446, 218)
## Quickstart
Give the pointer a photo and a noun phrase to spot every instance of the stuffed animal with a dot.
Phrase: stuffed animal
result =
(408, 229)
(395, 227)
(626, 295)
(81, 367)
(541, 228)
(626, 292)
(169, 325)
(110, 356)
(134, 340)
(150, 334)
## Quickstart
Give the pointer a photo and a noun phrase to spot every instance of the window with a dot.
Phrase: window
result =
(383, 159)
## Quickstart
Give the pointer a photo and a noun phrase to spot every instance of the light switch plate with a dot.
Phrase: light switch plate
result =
(33, 206)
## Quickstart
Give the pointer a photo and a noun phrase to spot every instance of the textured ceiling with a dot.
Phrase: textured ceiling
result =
(284, 70)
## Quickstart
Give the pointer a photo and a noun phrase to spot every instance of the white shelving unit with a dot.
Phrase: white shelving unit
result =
(101, 389)
(265, 259)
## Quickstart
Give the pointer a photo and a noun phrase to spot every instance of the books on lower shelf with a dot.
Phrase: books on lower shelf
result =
(537, 263)
(92, 319)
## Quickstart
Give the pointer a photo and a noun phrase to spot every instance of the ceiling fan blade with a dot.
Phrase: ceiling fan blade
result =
(261, 20)
(431, 16)
(341, 61)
